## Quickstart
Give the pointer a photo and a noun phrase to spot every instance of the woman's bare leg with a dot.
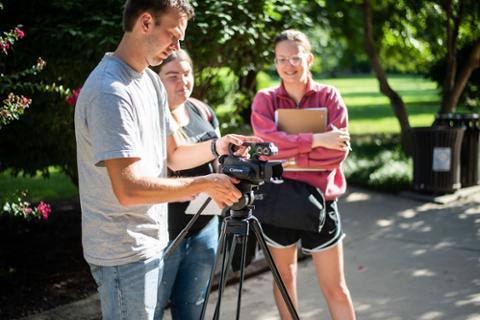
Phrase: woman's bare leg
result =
(331, 278)
(286, 262)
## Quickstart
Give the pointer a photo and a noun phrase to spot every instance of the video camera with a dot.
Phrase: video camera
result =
(251, 172)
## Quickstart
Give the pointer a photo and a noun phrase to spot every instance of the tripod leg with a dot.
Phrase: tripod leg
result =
(227, 261)
(243, 240)
(257, 229)
(220, 249)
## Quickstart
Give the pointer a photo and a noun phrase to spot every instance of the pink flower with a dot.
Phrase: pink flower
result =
(72, 98)
(40, 64)
(25, 101)
(27, 210)
(10, 99)
(44, 210)
(4, 45)
(20, 34)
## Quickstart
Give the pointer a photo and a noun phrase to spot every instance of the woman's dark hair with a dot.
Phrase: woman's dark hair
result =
(294, 35)
(180, 54)
(133, 8)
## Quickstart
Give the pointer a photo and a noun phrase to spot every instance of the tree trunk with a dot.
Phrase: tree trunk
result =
(396, 101)
(247, 85)
(451, 72)
(450, 104)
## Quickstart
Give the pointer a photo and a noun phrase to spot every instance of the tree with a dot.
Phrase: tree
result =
(460, 18)
(470, 95)
(397, 103)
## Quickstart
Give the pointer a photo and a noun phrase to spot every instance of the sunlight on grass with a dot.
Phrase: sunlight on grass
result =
(370, 111)
(55, 188)
(365, 126)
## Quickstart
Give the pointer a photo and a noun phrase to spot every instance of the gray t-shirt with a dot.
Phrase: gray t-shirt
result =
(120, 113)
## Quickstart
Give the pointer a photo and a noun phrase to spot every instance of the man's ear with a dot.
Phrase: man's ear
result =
(145, 21)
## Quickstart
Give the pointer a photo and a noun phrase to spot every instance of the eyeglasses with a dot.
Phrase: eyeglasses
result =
(294, 61)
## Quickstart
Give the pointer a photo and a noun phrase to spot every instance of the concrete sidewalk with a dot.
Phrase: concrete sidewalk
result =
(404, 259)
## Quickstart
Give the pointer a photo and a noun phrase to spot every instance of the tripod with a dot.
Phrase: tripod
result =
(235, 230)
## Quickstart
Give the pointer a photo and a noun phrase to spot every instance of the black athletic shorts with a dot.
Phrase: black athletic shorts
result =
(310, 242)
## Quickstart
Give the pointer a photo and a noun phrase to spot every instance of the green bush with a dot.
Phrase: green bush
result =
(219, 87)
(71, 36)
(378, 162)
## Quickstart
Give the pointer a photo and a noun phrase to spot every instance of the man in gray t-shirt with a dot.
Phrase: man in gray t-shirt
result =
(124, 144)
(120, 114)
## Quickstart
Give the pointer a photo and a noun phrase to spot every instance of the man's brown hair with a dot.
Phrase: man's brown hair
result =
(133, 8)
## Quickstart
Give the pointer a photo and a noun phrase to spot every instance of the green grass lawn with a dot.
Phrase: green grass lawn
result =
(57, 187)
(370, 111)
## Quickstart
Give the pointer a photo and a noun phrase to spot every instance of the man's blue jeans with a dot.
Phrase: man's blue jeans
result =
(186, 274)
(129, 291)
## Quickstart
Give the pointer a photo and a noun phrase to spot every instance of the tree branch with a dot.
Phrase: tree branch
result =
(472, 64)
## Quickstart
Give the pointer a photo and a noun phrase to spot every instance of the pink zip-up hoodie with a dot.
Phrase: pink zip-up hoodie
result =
(299, 146)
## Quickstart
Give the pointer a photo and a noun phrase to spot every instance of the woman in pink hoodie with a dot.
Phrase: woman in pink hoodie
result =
(322, 154)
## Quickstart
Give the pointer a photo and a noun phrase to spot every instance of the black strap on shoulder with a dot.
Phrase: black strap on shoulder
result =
(202, 108)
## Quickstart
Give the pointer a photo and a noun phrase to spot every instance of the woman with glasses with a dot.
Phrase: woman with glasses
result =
(320, 155)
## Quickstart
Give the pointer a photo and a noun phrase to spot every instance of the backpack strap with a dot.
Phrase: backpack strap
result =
(202, 108)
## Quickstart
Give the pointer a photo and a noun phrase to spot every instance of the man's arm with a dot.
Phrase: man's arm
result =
(132, 188)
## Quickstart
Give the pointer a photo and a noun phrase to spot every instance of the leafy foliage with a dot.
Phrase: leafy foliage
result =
(411, 34)
(13, 106)
(336, 38)
(379, 163)
(73, 36)
(422, 29)
(238, 35)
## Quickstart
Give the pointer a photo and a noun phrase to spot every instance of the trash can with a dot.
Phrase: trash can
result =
(469, 155)
(451, 120)
(436, 159)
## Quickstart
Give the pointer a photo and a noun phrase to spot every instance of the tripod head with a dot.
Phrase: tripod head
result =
(251, 173)
(243, 206)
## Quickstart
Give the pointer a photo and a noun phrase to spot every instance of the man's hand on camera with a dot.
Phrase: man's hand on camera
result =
(221, 188)
(236, 139)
